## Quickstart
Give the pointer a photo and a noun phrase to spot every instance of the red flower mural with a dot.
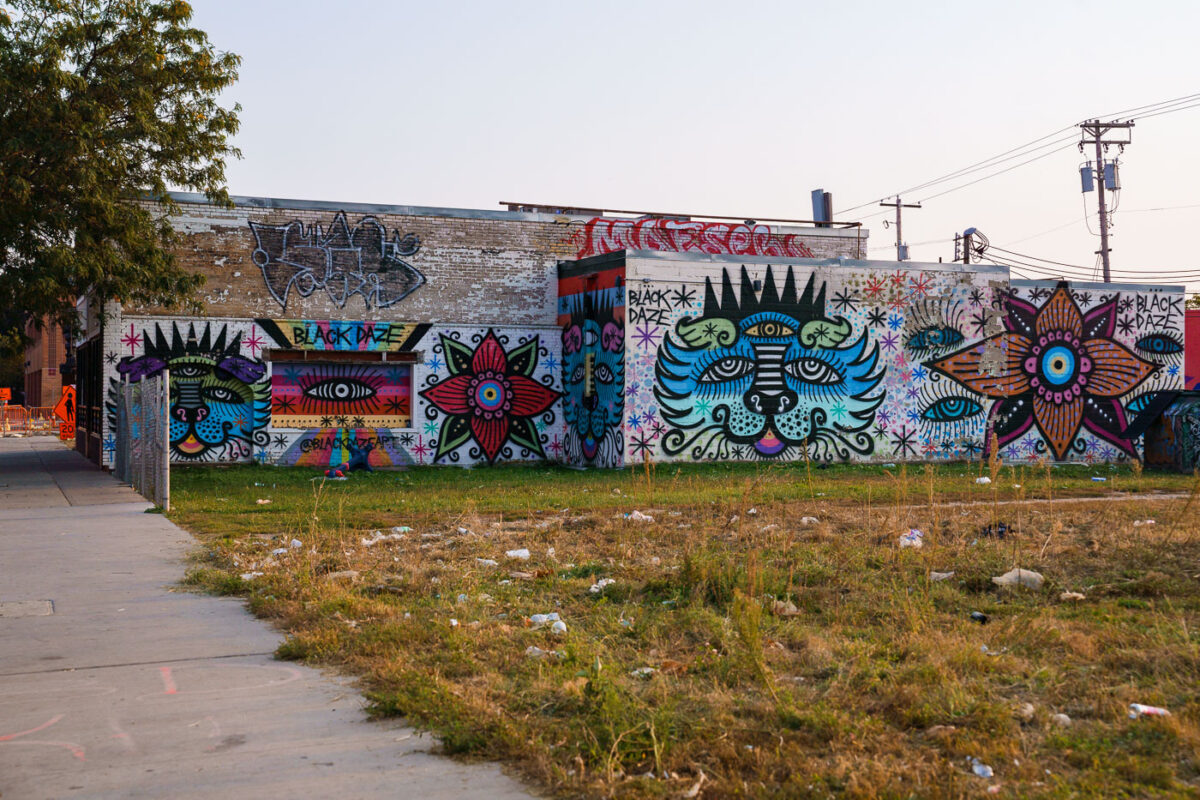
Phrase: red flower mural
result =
(1056, 367)
(490, 397)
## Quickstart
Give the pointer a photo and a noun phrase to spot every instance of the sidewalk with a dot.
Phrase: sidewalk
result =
(113, 684)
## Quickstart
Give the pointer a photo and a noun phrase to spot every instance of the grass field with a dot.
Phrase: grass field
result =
(741, 649)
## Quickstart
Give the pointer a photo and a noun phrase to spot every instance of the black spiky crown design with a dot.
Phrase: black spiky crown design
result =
(178, 345)
(737, 307)
(593, 305)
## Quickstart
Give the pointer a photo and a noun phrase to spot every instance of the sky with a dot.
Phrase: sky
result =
(713, 108)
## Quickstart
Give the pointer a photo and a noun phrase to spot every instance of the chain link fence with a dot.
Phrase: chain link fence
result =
(143, 455)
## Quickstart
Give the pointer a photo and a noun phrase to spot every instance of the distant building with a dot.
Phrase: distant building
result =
(43, 359)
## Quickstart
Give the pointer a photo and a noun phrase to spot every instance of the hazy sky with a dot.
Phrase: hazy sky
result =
(720, 108)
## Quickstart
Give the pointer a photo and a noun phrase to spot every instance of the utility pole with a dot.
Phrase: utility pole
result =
(1097, 130)
(901, 248)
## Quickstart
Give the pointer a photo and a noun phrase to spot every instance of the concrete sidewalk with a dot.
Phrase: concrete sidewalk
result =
(115, 685)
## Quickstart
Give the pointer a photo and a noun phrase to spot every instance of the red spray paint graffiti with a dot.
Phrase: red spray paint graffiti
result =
(606, 235)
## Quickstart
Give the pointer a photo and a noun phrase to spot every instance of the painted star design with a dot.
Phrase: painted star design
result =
(645, 336)
(434, 364)
(431, 427)
(979, 322)
(889, 342)
(683, 297)
(555, 445)
(877, 317)
(110, 357)
(131, 340)
(895, 322)
(280, 440)
(902, 442)
(976, 297)
(875, 286)
(1125, 325)
(406, 439)
(550, 363)
(254, 343)
(845, 301)
(283, 405)
(326, 422)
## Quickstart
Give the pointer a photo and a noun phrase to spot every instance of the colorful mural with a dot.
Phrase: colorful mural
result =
(889, 364)
(325, 334)
(766, 376)
(1058, 368)
(341, 261)
(376, 395)
(492, 403)
(329, 447)
(602, 235)
(219, 394)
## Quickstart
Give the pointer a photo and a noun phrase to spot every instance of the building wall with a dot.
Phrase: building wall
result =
(43, 356)
(1192, 349)
(762, 359)
(449, 316)
(591, 316)
(284, 392)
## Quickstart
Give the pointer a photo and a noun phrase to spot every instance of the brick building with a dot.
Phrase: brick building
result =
(450, 336)
(419, 334)
(43, 359)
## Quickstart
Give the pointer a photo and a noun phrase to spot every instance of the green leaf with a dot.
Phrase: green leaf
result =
(455, 432)
(523, 360)
(458, 356)
(524, 432)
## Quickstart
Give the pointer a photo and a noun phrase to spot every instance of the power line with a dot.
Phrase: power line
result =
(1153, 110)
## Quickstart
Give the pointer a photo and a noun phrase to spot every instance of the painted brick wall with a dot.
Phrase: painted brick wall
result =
(755, 359)
(363, 262)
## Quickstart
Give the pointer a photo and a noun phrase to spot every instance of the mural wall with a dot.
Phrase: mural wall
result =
(591, 314)
(602, 235)
(776, 362)
(309, 392)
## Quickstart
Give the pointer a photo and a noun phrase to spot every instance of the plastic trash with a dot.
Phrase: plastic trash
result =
(637, 516)
(541, 620)
(522, 554)
(1025, 712)
(279, 551)
(453, 623)
(558, 628)
(598, 586)
(809, 520)
(914, 538)
(260, 501)
(980, 617)
(401, 529)
(1061, 720)
(941, 576)
(533, 651)
(345, 574)
(296, 543)
(1137, 710)
(752, 512)
(983, 480)
(487, 562)
(979, 768)
(247, 576)
(1098, 480)
(1020, 577)
(643, 672)
(380, 536)
(1071, 596)
(462, 598)
(1137, 523)
(889, 465)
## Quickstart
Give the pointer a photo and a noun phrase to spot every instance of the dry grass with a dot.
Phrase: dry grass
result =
(788, 659)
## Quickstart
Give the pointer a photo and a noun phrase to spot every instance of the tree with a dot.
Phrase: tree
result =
(1193, 301)
(104, 103)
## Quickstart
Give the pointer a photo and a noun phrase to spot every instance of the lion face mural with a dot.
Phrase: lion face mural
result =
(593, 408)
(767, 377)
(219, 399)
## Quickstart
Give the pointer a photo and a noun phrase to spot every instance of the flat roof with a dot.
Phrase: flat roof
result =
(272, 203)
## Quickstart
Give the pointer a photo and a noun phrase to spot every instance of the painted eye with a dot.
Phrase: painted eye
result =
(933, 337)
(1159, 344)
(577, 375)
(188, 371)
(951, 409)
(727, 369)
(340, 390)
(770, 329)
(590, 337)
(603, 373)
(219, 394)
(812, 370)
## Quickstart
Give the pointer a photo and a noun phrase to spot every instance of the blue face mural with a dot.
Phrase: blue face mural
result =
(219, 398)
(593, 404)
(767, 376)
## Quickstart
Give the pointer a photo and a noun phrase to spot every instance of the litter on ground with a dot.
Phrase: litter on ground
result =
(914, 539)
(1020, 577)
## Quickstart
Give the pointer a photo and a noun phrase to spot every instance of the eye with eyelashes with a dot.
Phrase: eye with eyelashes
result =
(813, 371)
(770, 329)
(1159, 344)
(604, 374)
(577, 375)
(934, 337)
(729, 368)
(219, 394)
(944, 402)
(339, 390)
(935, 326)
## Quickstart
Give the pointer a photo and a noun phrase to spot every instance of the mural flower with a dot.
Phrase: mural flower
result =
(490, 397)
(1055, 367)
